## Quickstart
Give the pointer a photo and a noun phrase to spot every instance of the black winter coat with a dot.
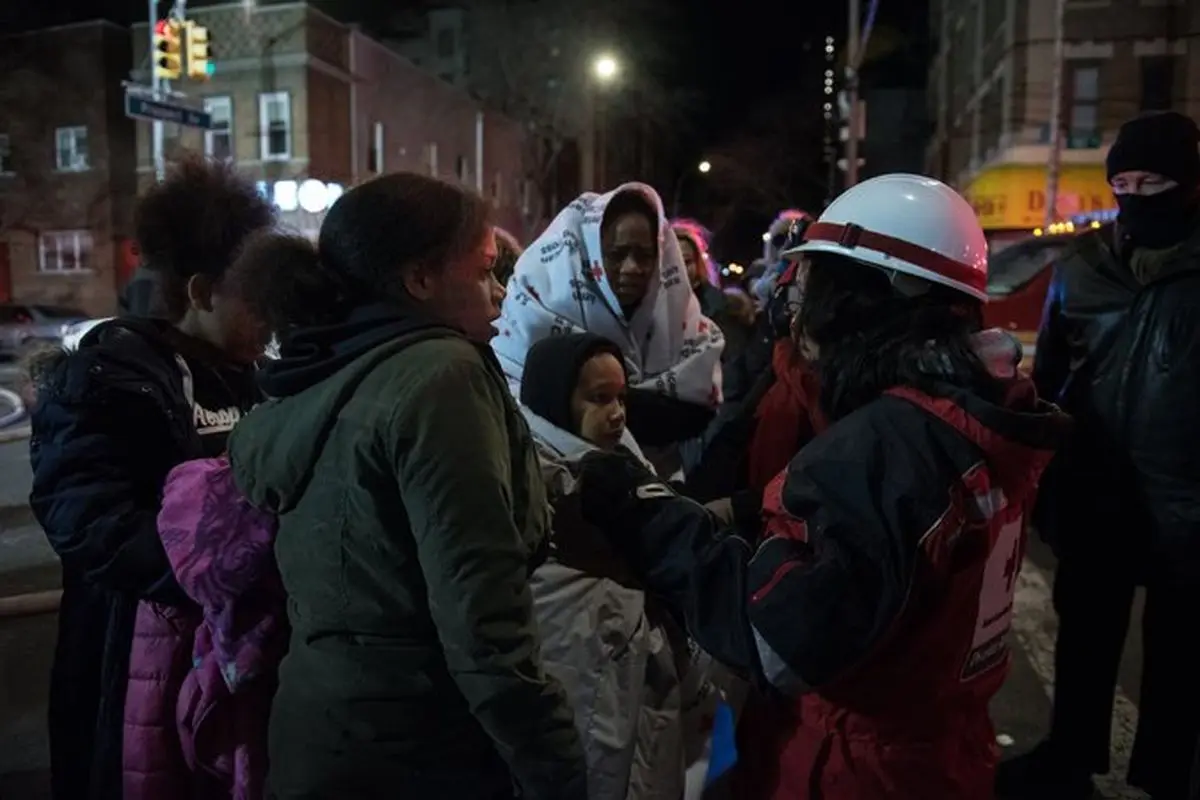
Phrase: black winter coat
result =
(110, 422)
(1124, 359)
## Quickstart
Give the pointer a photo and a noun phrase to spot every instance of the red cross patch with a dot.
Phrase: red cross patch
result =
(597, 270)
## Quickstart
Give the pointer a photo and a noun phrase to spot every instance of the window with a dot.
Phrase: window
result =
(6, 166)
(275, 126)
(461, 169)
(1084, 121)
(71, 147)
(375, 153)
(218, 140)
(1015, 267)
(445, 43)
(1158, 83)
(65, 251)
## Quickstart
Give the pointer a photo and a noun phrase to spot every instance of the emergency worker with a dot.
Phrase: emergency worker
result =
(874, 614)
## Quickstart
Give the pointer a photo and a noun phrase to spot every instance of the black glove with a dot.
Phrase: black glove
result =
(612, 486)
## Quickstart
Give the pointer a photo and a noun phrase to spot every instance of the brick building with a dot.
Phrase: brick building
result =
(67, 181)
(300, 101)
(991, 87)
(303, 104)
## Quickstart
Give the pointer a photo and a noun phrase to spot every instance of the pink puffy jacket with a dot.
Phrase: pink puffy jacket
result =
(201, 683)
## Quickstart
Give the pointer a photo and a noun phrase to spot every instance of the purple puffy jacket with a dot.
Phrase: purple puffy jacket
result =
(201, 684)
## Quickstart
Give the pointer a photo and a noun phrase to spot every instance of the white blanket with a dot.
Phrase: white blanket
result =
(559, 286)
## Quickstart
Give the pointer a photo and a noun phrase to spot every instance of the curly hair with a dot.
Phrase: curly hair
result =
(195, 222)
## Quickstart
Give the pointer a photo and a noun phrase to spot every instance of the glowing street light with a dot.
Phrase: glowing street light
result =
(605, 68)
(705, 167)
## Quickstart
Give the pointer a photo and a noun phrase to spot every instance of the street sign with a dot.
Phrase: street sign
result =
(140, 107)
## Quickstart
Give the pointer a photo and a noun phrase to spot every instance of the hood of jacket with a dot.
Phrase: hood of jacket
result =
(1019, 433)
(310, 354)
(274, 449)
(560, 451)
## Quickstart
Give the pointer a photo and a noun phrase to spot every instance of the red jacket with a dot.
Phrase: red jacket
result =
(787, 417)
(877, 605)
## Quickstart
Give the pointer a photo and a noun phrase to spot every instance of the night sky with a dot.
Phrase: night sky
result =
(745, 63)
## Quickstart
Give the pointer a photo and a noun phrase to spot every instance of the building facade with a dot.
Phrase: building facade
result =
(67, 180)
(991, 88)
(308, 106)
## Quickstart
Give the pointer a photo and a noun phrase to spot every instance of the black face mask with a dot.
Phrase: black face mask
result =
(1157, 220)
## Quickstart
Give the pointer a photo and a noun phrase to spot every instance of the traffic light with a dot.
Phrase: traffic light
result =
(199, 56)
(168, 52)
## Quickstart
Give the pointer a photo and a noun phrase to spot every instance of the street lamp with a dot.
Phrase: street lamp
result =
(605, 68)
(705, 167)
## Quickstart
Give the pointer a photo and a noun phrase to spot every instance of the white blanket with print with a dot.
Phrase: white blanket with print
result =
(559, 286)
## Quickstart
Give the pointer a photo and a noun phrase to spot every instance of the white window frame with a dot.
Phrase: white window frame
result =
(77, 239)
(6, 155)
(377, 142)
(213, 106)
(264, 128)
(77, 162)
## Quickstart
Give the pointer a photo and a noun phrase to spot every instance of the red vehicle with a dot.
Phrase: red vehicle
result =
(1018, 278)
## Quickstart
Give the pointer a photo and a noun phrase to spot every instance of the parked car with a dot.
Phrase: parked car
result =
(1018, 279)
(26, 325)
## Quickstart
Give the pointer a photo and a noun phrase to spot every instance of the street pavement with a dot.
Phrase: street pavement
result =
(27, 564)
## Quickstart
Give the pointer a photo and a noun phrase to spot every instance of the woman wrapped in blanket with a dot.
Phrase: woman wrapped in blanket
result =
(611, 265)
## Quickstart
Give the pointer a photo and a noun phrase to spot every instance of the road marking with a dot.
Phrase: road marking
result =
(1036, 628)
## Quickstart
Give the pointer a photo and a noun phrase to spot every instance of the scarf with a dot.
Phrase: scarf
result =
(559, 286)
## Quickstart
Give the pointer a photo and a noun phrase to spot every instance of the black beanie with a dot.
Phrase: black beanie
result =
(1164, 142)
(552, 369)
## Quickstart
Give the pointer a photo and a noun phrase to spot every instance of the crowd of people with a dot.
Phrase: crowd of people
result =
(503, 522)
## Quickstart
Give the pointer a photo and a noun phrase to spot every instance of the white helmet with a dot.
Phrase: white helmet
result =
(906, 225)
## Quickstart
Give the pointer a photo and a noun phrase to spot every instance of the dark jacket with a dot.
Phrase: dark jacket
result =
(897, 533)
(412, 511)
(1123, 357)
(110, 422)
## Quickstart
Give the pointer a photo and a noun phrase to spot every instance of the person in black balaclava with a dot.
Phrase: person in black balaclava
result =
(1154, 169)
(1119, 349)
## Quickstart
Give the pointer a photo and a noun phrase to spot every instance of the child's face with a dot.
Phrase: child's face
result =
(598, 402)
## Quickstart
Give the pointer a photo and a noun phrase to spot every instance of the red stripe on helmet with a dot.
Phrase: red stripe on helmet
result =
(851, 236)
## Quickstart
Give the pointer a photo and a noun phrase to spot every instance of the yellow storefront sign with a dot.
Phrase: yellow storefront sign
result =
(1014, 196)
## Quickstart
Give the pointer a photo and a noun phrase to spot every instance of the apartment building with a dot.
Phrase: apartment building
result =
(303, 104)
(990, 88)
(308, 106)
(67, 182)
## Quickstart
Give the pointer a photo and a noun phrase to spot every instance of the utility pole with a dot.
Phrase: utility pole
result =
(1056, 117)
(156, 85)
(852, 61)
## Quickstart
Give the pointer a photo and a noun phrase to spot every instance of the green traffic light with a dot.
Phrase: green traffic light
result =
(210, 69)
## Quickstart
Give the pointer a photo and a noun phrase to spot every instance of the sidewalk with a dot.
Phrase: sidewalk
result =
(15, 433)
